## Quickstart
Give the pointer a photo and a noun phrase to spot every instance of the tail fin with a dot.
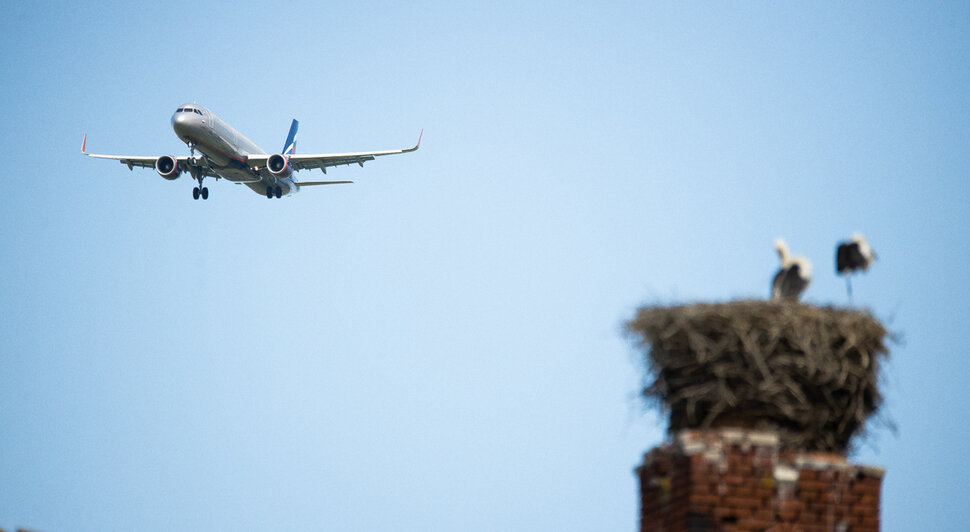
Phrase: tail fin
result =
(290, 147)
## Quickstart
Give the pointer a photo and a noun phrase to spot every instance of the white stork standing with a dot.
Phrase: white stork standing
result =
(852, 256)
(793, 277)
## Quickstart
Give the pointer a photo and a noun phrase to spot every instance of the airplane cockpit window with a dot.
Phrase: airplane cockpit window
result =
(179, 110)
(198, 112)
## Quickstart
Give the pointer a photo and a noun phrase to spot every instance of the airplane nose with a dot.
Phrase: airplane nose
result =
(181, 122)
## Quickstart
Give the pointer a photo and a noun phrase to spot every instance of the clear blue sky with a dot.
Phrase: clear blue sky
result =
(438, 346)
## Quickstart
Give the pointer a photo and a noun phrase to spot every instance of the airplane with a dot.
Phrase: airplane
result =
(227, 154)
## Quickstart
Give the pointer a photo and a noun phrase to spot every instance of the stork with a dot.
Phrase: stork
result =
(852, 256)
(793, 277)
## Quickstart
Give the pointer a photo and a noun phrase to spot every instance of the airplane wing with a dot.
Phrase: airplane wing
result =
(148, 161)
(326, 160)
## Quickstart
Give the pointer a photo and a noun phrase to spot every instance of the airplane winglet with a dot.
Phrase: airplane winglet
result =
(418, 145)
(85, 143)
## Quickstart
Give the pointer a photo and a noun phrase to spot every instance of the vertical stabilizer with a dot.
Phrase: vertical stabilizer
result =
(289, 148)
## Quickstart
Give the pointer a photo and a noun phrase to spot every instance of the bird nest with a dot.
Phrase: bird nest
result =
(808, 372)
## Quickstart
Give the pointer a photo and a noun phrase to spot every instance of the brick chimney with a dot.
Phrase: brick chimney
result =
(733, 480)
(763, 399)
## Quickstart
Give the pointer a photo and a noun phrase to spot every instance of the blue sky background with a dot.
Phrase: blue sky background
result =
(438, 346)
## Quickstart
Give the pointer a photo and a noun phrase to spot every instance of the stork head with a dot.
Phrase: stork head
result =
(782, 248)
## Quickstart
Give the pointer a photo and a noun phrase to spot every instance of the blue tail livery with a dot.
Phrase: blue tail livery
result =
(290, 147)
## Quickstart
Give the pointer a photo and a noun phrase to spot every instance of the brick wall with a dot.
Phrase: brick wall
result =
(733, 480)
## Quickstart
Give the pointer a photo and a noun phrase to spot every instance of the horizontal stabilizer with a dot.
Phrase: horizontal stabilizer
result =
(313, 183)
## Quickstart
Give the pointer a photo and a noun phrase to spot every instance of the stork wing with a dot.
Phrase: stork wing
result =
(789, 283)
(849, 257)
(842, 259)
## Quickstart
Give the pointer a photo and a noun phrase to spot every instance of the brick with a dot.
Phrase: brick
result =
(704, 488)
(747, 491)
(743, 502)
(813, 485)
(868, 501)
(787, 516)
(732, 486)
(704, 500)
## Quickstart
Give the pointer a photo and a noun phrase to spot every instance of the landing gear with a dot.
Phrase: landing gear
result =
(199, 191)
(272, 192)
(198, 174)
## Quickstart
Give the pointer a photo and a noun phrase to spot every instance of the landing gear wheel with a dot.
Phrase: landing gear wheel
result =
(198, 175)
(269, 192)
(279, 192)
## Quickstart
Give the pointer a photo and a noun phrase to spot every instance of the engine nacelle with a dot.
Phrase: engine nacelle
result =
(168, 167)
(279, 166)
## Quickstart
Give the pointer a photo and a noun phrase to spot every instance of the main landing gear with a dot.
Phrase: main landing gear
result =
(272, 192)
(200, 191)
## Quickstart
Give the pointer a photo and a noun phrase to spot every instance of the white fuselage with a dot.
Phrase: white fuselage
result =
(226, 150)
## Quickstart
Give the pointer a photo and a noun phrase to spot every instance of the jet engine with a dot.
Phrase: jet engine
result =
(279, 166)
(168, 167)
